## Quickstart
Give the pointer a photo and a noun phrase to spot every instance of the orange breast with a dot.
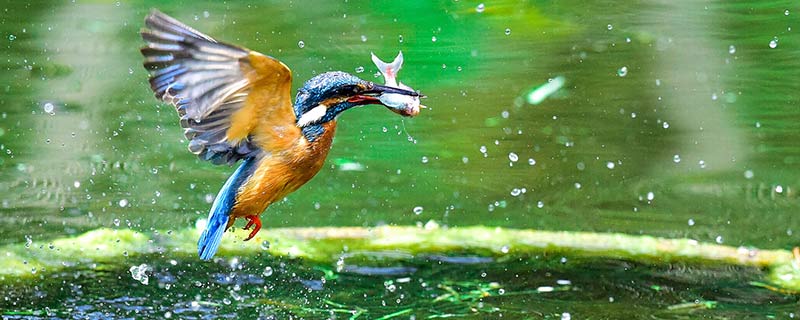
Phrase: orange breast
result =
(283, 172)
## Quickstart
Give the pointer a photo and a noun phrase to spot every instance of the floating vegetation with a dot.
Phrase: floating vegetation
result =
(397, 243)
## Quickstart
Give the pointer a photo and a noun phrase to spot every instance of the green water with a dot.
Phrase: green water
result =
(676, 119)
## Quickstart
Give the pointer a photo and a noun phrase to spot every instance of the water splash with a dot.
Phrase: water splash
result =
(139, 273)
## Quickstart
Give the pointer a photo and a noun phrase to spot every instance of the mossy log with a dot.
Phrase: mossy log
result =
(327, 244)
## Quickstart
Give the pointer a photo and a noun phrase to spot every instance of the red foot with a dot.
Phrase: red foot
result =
(252, 220)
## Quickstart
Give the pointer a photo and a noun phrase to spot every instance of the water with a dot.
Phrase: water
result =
(696, 139)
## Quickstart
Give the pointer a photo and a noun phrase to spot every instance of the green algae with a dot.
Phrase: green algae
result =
(328, 244)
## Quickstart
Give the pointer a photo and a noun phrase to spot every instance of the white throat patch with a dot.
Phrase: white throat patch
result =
(312, 115)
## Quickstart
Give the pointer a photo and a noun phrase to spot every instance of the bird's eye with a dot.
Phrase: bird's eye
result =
(346, 90)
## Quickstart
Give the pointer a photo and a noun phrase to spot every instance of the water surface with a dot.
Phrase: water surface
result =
(676, 119)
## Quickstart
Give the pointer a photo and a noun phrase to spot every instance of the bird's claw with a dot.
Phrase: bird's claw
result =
(252, 220)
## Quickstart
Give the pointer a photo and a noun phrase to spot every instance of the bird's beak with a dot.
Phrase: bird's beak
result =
(379, 89)
(398, 100)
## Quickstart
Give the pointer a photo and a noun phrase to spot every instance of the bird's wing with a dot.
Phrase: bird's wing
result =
(222, 92)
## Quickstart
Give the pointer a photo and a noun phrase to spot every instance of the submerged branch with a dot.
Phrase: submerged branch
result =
(327, 244)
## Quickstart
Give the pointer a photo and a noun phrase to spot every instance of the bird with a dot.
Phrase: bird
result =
(235, 108)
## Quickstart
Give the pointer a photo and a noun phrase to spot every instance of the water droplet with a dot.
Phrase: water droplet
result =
(267, 271)
(731, 49)
(622, 71)
(786, 13)
(610, 27)
(139, 273)
(363, 38)
(49, 107)
(501, 291)
(480, 8)
(359, 69)
(718, 239)
(690, 222)
(123, 203)
(531, 161)
(515, 192)
(433, 39)
(540, 204)
(566, 316)
(418, 210)
(116, 222)
(577, 185)
(702, 164)
(773, 43)
(748, 174)
(504, 249)
(513, 157)
(483, 149)
(665, 125)
(265, 245)
(28, 241)
(676, 158)
(12, 37)
(610, 165)
(301, 44)
(779, 189)
(508, 31)
(424, 159)
(651, 196)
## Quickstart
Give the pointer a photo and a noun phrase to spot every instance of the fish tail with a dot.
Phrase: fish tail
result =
(220, 212)
(389, 70)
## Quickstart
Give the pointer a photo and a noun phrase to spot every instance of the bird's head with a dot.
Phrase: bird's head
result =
(325, 96)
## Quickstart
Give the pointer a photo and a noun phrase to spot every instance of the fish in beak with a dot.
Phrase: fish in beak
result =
(396, 96)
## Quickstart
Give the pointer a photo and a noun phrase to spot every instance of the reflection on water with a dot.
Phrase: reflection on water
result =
(540, 288)
(675, 119)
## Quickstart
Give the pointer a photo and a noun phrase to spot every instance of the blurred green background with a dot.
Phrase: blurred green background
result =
(675, 119)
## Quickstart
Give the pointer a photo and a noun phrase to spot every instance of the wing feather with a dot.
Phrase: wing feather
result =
(210, 83)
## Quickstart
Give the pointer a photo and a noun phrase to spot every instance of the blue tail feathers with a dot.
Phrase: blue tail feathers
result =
(220, 211)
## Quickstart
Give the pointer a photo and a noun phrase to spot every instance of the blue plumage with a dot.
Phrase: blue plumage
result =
(321, 87)
(210, 83)
(220, 211)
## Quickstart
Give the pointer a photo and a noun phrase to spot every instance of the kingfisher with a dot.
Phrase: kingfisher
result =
(235, 106)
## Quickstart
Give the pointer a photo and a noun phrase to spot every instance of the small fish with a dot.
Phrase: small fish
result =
(401, 104)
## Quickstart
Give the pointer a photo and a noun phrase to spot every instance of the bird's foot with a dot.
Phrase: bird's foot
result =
(252, 220)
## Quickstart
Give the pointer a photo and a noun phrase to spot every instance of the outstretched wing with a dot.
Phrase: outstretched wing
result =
(212, 85)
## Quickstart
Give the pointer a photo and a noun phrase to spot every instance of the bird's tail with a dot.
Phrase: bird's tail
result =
(221, 209)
